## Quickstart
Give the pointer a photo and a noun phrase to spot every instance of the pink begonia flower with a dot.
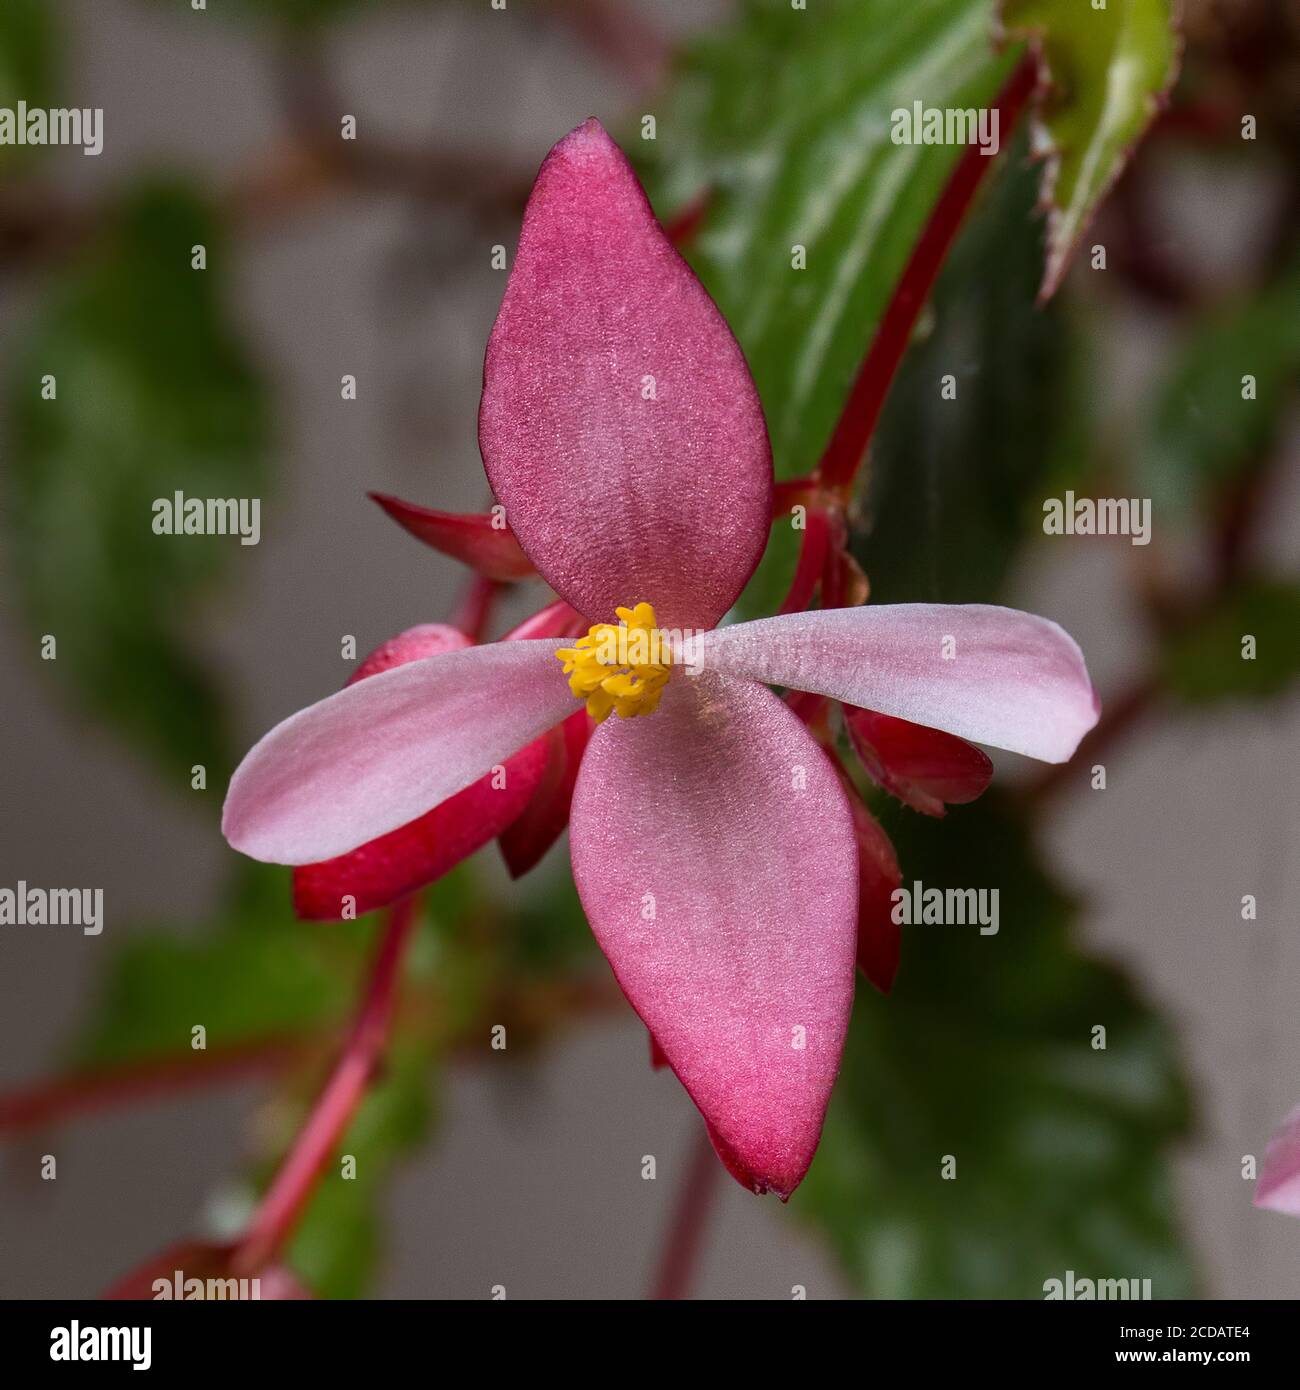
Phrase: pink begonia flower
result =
(1278, 1188)
(712, 843)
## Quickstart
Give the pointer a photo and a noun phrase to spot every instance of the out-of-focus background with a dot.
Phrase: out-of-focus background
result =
(1120, 907)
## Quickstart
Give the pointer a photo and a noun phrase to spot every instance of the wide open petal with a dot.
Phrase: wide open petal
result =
(714, 853)
(619, 423)
(994, 675)
(383, 751)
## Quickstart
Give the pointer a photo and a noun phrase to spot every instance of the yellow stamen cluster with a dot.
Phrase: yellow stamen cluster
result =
(621, 669)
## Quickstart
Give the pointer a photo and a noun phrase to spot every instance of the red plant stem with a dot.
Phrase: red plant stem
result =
(555, 620)
(476, 607)
(694, 1202)
(296, 1180)
(848, 444)
(107, 1086)
(794, 492)
(811, 563)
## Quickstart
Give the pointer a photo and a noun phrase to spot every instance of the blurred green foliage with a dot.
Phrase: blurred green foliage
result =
(1205, 662)
(252, 973)
(984, 1051)
(784, 117)
(155, 395)
(1209, 427)
(28, 67)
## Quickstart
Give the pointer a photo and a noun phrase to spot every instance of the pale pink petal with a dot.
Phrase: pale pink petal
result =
(383, 870)
(388, 749)
(714, 853)
(993, 675)
(619, 423)
(1278, 1187)
(388, 868)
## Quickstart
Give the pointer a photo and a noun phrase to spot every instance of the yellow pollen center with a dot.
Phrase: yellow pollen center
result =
(621, 668)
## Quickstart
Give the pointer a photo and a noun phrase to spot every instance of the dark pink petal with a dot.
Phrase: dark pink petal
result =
(990, 674)
(714, 853)
(389, 748)
(473, 539)
(530, 833)
(382, 871)
(1278, 1188)
(619, 424)
(925, 768)
(879, 936)
(658, 1057)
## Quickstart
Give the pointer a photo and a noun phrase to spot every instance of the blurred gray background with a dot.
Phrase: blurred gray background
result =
(533, 1181)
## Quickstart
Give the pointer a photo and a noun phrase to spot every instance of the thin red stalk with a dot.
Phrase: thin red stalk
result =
(848, 444)
(694, 1202)
(811, 563)
(476, 607)
(792, 493)
(108, 1086)
(296, 1180)
(555, 620)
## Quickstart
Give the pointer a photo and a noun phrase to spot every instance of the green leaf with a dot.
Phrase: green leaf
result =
(153, 396)
(1110, 70)
(1208, 662)
(985, 1052)
(785, 117)
(955, 486)
(770, 582)
(1208, 425)
(252, 973)
(27, 65)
